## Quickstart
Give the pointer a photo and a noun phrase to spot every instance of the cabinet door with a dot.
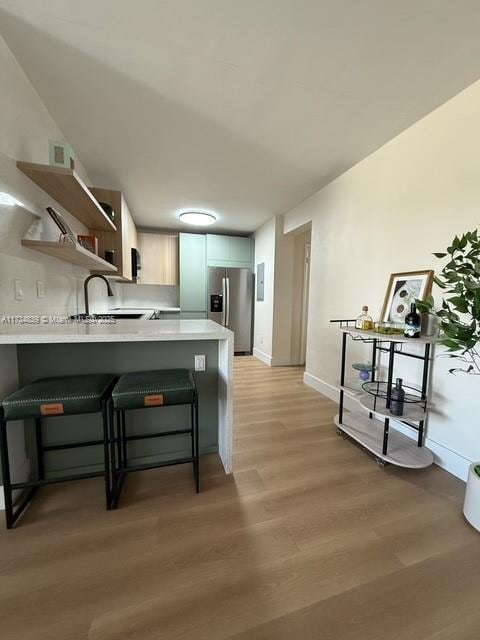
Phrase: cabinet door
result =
(193, 272)
(218, 248)
(159, 258)
(240, 249)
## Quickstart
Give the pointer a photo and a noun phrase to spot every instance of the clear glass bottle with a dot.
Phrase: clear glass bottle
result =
(397, 398)
(364, 321)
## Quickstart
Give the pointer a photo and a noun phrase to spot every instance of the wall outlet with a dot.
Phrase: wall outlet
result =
(18, 288)
(200, 363)
(40, 289)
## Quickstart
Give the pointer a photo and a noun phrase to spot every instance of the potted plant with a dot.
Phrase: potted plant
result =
(459, 319)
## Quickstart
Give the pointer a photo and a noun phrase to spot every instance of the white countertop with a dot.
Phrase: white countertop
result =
(121, 331)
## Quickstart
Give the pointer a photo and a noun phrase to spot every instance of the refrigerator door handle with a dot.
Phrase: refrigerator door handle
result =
(227, 319)
(224, 297)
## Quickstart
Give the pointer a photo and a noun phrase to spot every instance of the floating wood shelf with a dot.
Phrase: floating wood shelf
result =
(67, 188)
(73, 253)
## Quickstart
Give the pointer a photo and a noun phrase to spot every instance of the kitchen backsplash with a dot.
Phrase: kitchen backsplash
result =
(146, 295)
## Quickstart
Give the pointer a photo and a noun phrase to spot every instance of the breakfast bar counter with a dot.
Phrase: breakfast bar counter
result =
(36, 347)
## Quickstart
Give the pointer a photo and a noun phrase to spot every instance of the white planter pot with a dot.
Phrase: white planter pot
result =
(471, 506)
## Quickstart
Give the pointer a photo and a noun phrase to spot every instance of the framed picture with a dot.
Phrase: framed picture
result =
(403, 289)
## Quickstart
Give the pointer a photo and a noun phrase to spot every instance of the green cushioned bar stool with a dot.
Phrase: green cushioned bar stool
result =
(147, 390)
(45, 399)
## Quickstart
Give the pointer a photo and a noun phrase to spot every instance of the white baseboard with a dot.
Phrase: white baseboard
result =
(264, 357)
(445, 458)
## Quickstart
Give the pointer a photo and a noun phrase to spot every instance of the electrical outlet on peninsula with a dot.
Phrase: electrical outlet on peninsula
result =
(200, 363)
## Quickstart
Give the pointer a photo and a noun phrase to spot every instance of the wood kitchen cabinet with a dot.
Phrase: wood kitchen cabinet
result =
(159, 258)
(123, 239)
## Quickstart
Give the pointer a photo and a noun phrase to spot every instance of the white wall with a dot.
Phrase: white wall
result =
(25, 129)
(263, 330)
(388, 214)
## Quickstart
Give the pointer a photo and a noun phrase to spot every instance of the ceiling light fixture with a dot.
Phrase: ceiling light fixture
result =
(8, 200)
(197, 218)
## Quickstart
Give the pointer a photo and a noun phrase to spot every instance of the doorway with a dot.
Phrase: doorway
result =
(300, 295)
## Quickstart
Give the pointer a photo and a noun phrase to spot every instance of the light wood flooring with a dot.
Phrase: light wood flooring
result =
(309, 539)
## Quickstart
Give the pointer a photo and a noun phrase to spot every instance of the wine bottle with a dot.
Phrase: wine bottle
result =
(412, 323)
(397, 398)
(364, 321)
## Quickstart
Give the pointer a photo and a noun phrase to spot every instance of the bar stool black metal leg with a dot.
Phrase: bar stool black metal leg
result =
(119, 474)
(7, 490)
(111, 452)
(118, 438)
(124, 439)
(106, 454)
(197, 448)
(40, 452)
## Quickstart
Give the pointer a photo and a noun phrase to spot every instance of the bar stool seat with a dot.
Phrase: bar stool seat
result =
(154, 388)
(147, 390)
(58, 396)
(49, 398)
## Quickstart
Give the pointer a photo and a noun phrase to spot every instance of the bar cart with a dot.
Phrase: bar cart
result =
(371, 426)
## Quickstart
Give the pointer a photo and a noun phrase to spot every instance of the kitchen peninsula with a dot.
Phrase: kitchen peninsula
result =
(49, 349)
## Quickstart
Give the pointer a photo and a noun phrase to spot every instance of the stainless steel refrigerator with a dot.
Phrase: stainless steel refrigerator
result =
(230, 303)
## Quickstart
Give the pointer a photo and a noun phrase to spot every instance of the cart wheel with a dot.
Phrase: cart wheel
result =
(380, 462)
(339, 431)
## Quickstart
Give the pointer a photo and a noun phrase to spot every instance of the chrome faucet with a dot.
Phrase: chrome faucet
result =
(85, 288)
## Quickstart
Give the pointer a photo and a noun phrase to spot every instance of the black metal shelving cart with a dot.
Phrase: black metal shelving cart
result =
(371, 425)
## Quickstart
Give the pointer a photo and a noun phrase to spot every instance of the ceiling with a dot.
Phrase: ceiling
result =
(240, 107)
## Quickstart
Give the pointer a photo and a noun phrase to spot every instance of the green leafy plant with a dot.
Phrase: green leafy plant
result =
(459, 315)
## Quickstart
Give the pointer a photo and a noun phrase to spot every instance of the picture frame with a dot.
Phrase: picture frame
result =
(402, 290)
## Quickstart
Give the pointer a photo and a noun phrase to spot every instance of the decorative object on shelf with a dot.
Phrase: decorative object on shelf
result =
(397, 398)
(412, 323)
(61, 155)
(89, 242)
(66, 234)
(365, 369)
(402, 290)
(459, 319)
(389, 328)
(110, 255)
(108, 210)
(364, 321)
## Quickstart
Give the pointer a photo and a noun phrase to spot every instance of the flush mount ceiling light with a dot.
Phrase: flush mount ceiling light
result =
(197, 218)
(8, 200)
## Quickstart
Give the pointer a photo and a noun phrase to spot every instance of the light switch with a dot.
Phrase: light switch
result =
(200, 363)
(18, 286)
(40, 289)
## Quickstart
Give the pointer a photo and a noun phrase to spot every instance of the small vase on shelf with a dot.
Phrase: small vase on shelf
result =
(397, 398)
